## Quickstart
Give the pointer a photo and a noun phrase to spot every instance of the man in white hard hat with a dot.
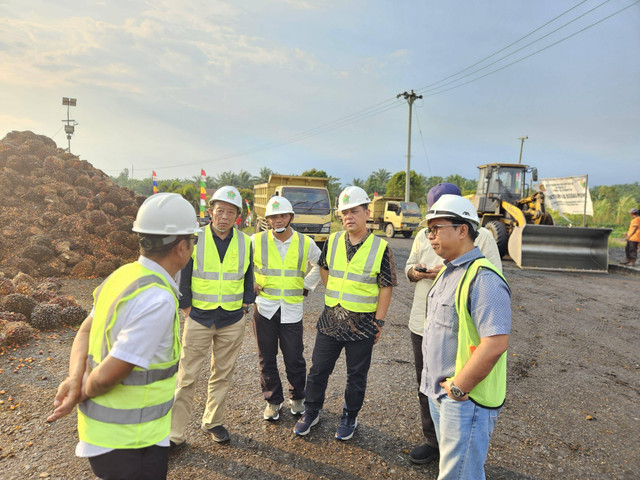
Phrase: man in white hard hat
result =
(217, 288)
(281, 258)
(422, 267)
(465, 341)
(358, 271)
(122, 371)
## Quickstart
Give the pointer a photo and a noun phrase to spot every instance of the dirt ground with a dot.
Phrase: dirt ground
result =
(572, 408)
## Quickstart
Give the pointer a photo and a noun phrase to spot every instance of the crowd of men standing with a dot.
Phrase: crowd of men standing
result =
(134, 380)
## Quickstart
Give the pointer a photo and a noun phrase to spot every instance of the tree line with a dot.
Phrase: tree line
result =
(611, 203)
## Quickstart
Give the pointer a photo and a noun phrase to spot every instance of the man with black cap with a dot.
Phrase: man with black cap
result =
(422, 266)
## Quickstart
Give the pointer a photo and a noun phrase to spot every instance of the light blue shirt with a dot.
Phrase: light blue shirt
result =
(490, 310)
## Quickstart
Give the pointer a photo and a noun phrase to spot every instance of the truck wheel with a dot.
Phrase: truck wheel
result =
(389, 230)
(499, 232)
(407, 234)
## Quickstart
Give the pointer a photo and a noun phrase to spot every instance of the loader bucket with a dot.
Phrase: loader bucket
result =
(549, 247)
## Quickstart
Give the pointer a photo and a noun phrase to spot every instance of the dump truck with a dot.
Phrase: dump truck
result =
(521, 226)
(309, 198)
(393, 215)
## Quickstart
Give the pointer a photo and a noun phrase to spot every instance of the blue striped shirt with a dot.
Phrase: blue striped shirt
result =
(490, 310)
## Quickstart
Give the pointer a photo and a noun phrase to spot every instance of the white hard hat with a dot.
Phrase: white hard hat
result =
(277, 204)
(454, 206)
(166, 214)
(227, 194)
(352, 197)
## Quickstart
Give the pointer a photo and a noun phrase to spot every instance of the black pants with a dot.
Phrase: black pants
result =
(149, 463)
(325, 354)
(428, 429)
(268, 333)
(631, 251)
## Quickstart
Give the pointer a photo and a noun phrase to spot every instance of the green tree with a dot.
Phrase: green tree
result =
(263, 176)
(377, 182)
(358, 182)
(314, 173)
(396, 186)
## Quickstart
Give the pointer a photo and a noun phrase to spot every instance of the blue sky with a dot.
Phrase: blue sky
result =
(178, 86)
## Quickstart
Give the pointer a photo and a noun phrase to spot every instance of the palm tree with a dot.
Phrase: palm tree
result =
(263, 176)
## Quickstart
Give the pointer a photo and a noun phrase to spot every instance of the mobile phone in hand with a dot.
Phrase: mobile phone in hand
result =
(420, 269)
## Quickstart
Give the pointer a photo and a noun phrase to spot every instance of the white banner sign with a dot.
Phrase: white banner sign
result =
(566, 194)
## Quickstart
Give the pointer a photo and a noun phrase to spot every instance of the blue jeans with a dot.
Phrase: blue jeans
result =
(463, 430)
(325, 353)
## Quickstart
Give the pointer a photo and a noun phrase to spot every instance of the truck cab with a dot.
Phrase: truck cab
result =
(392, 215)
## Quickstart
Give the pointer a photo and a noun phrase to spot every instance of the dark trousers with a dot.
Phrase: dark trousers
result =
(270, 332)
(428, 429)
(325, 353)
(631, 251)
(149, 463)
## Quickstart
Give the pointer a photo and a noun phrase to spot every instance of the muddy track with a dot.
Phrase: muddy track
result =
(572, 407)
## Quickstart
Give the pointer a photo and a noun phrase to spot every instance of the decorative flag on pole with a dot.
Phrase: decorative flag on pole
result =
(203, 194)
(248, 219)
(155, 182)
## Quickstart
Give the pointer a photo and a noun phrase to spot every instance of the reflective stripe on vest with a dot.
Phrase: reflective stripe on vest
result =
(353, 284)
(281, 279)
(219, 284)
(135, 412)
(491, 391)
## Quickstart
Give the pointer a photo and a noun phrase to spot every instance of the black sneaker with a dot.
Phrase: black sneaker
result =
(347, 427)
(423, 454)
(218, 433)
(308, 420)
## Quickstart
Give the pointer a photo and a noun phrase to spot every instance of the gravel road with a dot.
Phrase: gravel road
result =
(572, 407)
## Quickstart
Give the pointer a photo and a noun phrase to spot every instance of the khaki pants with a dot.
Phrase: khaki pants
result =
(196, 340)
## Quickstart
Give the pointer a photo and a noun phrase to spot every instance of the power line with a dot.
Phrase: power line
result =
(504, 48)
(534, 53)
(517, 50)
(430, 90)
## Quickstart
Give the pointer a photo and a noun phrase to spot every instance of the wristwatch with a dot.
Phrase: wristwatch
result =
(456, 392)
(379, 322)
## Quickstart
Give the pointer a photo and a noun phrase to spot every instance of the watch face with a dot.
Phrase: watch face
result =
(456, 392)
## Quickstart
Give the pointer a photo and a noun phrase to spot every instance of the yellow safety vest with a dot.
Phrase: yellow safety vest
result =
(220, 284)
(136, 413)
(491, 391)
(280, 279)
(354, 284)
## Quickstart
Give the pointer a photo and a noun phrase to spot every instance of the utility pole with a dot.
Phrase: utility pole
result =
(410, 98)
(70, 123)
(522, 139)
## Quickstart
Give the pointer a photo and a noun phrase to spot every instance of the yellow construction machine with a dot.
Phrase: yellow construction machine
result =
(517, 218)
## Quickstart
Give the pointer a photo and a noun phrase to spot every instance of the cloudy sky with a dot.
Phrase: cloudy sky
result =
(296, 84)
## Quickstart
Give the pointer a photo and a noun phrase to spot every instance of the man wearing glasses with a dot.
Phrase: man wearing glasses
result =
(122, 370)
(217, 288)
(465, 341)
(422, 267)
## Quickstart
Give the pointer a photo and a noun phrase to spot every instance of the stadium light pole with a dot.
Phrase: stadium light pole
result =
(70, 126)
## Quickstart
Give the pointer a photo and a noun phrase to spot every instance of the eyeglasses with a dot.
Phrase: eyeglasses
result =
(436, 228)
(194, 240)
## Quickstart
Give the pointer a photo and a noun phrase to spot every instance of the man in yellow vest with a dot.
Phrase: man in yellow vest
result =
(359, 274)
(122, 371)
(281, 257)
(217, 288)
(465, 341)
(422, 267)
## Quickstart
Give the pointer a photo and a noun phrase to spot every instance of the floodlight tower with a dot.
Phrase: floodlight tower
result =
(70, 126)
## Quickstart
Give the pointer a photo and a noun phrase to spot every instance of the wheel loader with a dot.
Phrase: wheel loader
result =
(521, 226)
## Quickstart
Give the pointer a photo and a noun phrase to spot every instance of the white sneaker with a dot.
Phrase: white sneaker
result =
(272, 412)
(297, 406)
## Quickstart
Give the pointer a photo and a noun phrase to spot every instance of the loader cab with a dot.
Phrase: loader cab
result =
(498, 182)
